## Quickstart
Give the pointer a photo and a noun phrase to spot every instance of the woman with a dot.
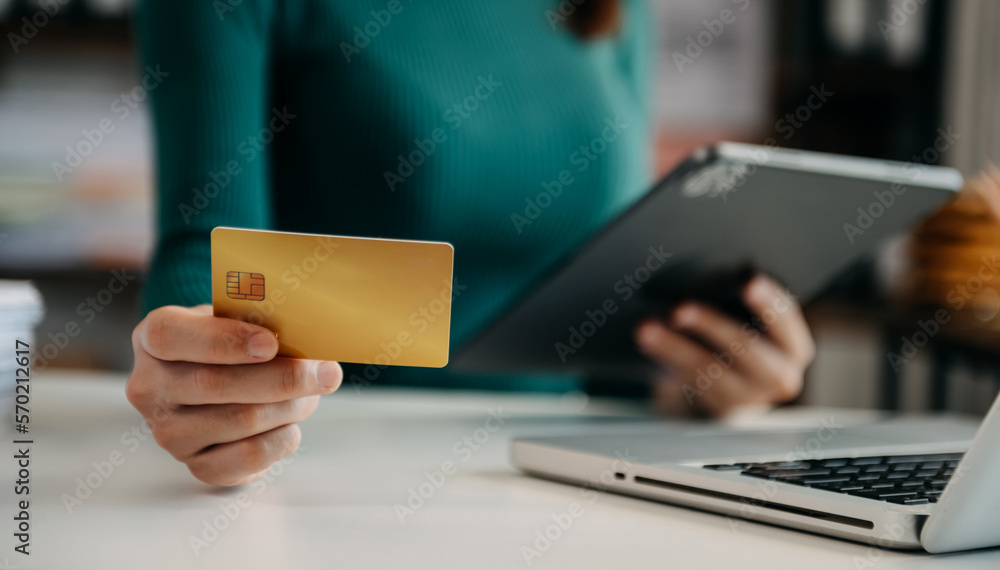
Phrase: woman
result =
(440, 120)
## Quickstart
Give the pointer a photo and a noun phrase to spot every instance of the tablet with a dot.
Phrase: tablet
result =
(724, 213)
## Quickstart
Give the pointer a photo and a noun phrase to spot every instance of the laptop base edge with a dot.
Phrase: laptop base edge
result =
(876, 527)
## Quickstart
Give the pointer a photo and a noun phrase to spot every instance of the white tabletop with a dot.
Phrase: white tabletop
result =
(334, 505)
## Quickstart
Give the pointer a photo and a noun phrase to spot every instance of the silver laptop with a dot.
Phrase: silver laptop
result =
(906, 483)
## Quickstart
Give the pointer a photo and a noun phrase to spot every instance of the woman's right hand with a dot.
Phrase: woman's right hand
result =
(215, 396)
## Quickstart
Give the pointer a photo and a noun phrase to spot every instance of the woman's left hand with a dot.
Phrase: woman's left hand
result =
(741, 366)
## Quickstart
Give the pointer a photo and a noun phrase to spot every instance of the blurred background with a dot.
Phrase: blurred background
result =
(909, 80)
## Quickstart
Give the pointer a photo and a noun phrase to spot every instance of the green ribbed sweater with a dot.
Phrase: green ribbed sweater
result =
(435, 119)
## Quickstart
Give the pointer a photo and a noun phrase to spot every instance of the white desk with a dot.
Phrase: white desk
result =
(333, 506)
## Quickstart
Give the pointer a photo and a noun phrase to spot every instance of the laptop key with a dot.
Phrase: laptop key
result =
(931, 496)
(782, 465)
(796, 474)
(896, 495)
(825, 480)
(922, 458)
(880, 468)
(834, 463)
(866, 460)
(926, 474)
(847, 470)
(908, 501)
(837, 487)
(866, 493)
(868, 477)
(725, 467)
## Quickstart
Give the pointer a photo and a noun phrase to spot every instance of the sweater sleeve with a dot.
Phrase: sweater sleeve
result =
(208, 111)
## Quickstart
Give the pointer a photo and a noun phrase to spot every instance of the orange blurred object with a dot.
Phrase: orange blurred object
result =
(954, 257)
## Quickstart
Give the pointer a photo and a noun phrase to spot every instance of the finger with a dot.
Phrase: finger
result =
(782, 316)
(754, 358)
(240, 462)
(203, 309)
(142, 389)
(190, 335)
(710, 385)
(273, 381)
(194, 428)
(728, 394)
(671, 349)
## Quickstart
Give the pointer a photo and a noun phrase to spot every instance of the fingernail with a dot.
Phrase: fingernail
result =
(648, 335)
(262, 345)
(759, 290)
(328, 376)
(685, 316)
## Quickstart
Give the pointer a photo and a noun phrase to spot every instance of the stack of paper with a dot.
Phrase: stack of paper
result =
(20, 311)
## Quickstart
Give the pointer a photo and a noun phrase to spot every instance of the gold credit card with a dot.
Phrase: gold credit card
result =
(369, 301)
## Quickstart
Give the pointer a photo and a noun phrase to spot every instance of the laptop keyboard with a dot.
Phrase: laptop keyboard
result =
(902, 479)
